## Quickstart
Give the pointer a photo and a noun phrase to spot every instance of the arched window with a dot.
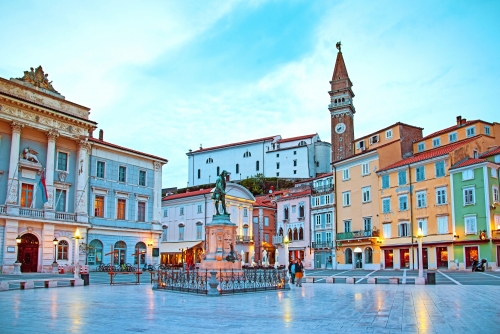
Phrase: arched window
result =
(335, 101)
(62, 250)
(245, 230)
(210, 160)
(290, 236)
(94, 256)
(301, 209)
(247, 154)
(343, 100)
(164, 236)
(302, 143)
(281, 231)
(301, 233)
(120, 253)
(199, 230)
(286, 212)
(368, 255)
(141, 249)
(348, 256)
(295, 234)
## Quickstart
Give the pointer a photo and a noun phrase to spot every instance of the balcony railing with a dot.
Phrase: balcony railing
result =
(243, 239)
(277, 239)
(323, 189)
(357, 234)
(323, 244)
(66, 216)
(37, 213)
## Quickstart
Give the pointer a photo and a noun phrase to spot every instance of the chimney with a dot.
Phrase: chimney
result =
(459, 120)
(463, 121)
(91, 133)
(101, 134)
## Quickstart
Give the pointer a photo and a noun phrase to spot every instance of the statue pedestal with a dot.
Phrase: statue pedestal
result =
(17, 269)
(221, 235)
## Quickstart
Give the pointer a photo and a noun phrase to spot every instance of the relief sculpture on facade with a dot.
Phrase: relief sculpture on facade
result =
(38, 78)
(13, 191)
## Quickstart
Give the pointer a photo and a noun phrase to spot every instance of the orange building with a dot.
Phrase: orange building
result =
(264, 227)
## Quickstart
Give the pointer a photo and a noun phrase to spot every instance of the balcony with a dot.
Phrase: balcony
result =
(66, 216)
(277, 239)
(243, 239)
(39, 214)
(357, 234)
(323, 244)
(323, 189)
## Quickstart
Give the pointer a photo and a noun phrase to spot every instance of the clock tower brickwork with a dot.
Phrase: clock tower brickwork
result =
(341, 110)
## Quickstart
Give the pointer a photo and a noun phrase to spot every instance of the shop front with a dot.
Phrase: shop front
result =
(181, 253)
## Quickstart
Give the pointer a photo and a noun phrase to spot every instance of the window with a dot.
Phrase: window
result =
(346, 198)
(141, 211)
(487, 130)
(452, 137)
(471, 131)
(277, 165)
(316, 201)
(421, 199)
(294, 208)
(266, 237)
(199, 208)
(374, 139)
(164, 236)
(403, 230)
(469, 196)
(285, 212)
(328, 236)
(94, 254)
(199, 173)
(62, 161)
(442, 224)
(99, 206)
(348, 256)
(294, 163)
(470, 224)
(141, 248)
(494, 173)
(367, 223)
(60, 200)
(421, 147)
(245, 212)
(301, 210)
(266, 221)
(420, 171)
(295, 171)
(277, 155)
(401, 178)
(440, 169)
(302, 143)
(436, 142)
(237, 168)
(247, 154)
(441, 196)
(387, 231)
(368, 255)
(327, 199)
(100, 169)
(385, 182)
(318, 220)
(467, 174)
(295, 234)
(181, 232)
(122, 174)
(386, 205)
(181, 211)
(62, 250)
(328, 218)
(318, 238)
(210, 160)
(199, 229)
(475, 154)
(218, 171)
(120, 208)
(422, 225)
(403, 202)
(366, 194)
(120, 253)
(495, 195)
(347, 226)
(301, 233)
(345, 174)
(142, 178)
(294, 152)
(365, 168)
(165, 213)
(257, 165)
(388, 134)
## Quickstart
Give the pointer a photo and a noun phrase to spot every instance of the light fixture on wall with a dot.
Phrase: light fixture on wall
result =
(456, 236)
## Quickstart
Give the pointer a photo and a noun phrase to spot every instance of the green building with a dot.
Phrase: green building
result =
(476, 209)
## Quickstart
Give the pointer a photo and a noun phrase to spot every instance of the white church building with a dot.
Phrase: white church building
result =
(296, 158)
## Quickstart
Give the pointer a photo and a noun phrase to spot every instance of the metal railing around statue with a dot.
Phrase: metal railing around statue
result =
(228, 281)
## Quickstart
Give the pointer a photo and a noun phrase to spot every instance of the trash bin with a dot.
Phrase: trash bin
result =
(85, 278)
(431, 278)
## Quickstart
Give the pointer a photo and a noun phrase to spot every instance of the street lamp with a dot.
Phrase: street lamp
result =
(18, 241)
(55, 241)
(17, 264)
(286, 241)
(182, 256)
(420, 280)
(76, 259)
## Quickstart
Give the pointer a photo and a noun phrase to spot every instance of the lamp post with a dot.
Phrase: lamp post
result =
(420, 280)
(182, 256)
(54, 264)
(17, 264)
(286, 241)
(76, 259)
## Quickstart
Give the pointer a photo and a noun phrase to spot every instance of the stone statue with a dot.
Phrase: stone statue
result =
(30, 155)
(276, 256)
(253, 259)
(219, 194)
(264, 257)
(242, 256)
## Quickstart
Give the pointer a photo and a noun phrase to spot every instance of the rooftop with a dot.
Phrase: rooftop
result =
(493, 151)
(187, 194)
(467, 162)
(102, 142)
(270, 138)
(451, 128)
(296, 138)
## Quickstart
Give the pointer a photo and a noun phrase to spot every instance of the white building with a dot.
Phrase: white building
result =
(297, 157)
(184, 217)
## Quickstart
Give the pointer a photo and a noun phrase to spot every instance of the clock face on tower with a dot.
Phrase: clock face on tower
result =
(340, 128)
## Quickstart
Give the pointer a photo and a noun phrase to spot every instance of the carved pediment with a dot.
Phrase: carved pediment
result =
(38, 78)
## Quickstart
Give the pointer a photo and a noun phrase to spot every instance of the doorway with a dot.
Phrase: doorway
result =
(28, 253)
(498, 256)
(388, 255)
(471, 254)
(442, 257)
(404, 258)
(317, 261)
(359, 260)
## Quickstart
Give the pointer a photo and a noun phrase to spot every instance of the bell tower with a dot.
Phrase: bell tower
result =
(341, 110)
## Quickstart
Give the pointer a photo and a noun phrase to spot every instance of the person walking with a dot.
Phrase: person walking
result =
(299, 272)
(291, 270)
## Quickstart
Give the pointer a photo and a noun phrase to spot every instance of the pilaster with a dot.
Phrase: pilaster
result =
(11, 233)
(81, 208)
(47, 247)
(157, 193)
(50, 168)
(13, 182)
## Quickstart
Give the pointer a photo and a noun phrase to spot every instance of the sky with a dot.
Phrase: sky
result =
(163, 77)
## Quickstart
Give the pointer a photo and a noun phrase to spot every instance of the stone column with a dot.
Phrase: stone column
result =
(11, 233)
(50, 168)
(157, 193)
(81, 208)
(47, 246)
(13, 182)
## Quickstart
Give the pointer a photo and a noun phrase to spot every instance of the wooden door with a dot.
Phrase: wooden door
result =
(28, 253)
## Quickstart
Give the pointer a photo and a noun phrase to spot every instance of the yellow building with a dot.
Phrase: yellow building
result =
(356, 186)
(414, 194)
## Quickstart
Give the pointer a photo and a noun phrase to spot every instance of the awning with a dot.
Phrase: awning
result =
(175, 247)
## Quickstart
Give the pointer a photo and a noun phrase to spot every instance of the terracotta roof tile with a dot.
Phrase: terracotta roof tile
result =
(95, 140)
(296, 138)
(264, 200)
(451, 128)
(270, 138)
(365, 152)
(187, 194)
(297, 194)
(467, 162)
(493, 151)
(430, 154)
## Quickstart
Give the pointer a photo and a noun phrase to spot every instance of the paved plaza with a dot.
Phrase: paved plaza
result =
(315, 308)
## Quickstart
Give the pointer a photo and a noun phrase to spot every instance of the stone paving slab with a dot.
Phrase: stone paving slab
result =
(317, 308)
